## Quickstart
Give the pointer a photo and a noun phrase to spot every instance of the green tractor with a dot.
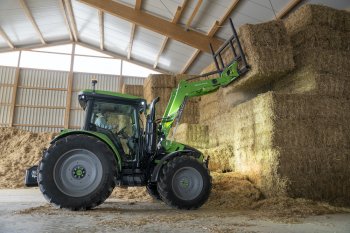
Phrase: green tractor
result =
(122, 143)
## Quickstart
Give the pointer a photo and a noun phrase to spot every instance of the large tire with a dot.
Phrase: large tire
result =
(184, 183)
(153, 191)
(77, 172)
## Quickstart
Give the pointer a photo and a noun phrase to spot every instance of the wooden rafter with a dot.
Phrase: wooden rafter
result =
(101, 26)
(190, 61)
(194, 13)
(156, 24)
(70, 14)
(6, 38)
(176, 18)
(66, 21)
(133, 28)
(290, 6)
(216, 26)
(131, 41)
(31, 19)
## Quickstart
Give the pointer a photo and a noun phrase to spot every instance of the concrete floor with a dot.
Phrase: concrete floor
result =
(25, 210)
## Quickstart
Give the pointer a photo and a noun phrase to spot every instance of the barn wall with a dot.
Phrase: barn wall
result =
(36, 100)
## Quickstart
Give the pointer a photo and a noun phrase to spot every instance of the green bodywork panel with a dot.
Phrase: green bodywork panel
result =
(192, 89)
(172, 146)
(100, 136)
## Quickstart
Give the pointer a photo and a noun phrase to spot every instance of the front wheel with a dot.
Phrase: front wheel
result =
(184, 183)
(77, 172)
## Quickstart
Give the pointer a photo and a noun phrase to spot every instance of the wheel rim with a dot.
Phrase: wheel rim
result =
(187, 183)
(78, 173)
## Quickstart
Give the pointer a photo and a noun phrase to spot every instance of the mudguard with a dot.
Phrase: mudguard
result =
(186, 150)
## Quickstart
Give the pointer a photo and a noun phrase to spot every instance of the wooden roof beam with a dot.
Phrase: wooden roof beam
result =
(101, 26)
(211, 33)
(6, 38)
(156, 24)
(37, 46)
(290, 6)
(194, 13)
(176, 18)
(133, 28)
(70, 14)
(31, 19)
(66, 21)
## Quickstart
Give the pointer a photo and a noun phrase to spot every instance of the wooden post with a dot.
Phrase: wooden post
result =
(69, 90)
(14, 92)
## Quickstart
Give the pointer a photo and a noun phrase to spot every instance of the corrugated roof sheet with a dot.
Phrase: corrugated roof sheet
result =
(146, 45)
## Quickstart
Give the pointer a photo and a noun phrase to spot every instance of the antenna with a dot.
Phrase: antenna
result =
(93, 82)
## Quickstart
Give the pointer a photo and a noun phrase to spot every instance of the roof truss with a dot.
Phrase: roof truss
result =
(213, 30)
(31, 19)
(133, 28)
(156, 24)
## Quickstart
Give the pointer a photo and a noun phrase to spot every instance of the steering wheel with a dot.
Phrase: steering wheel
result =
(122, 133)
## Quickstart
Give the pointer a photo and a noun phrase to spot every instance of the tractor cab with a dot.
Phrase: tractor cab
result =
(119, 117)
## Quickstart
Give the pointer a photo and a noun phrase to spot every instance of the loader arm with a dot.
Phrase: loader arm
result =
(188, 89)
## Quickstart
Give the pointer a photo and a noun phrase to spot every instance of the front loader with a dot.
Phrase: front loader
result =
(122, 143)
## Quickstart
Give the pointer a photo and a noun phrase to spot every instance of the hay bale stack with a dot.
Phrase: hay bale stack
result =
(320, 39)
(293, 142)
(291, 145)
(192, 134)
(268, 52)
(161, 85)
(220, 158)
(136, 90)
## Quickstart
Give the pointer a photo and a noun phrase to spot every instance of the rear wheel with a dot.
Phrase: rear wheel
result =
(184, 183)
(77, 172)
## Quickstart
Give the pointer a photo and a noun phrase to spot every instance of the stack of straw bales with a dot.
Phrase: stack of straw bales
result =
(136, 90)
(294, 141)
(321, 49)
(269, 53)
(161, 85)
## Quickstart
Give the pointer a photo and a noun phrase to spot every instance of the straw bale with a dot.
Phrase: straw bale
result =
(319, 173)
(327, 61)
(192, 134)
(269, 54)
(163, 93)
(317, 15)
(159, 80)
(210, 105)
(314, 36)
(190, 113)
(136, 90)
(221, 158)
(307, 80)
